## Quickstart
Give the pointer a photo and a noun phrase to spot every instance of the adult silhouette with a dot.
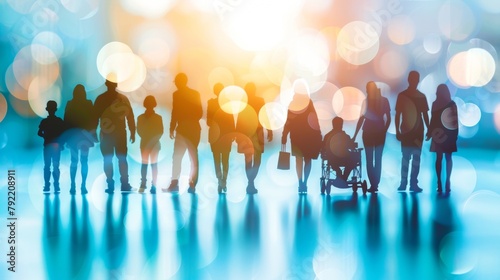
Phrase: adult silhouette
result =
(375, 119)
(51, 129)
(185, 128)
(150, 129)
(335, 148)
(411, 115)
(443, 130)
(250, 136)
(80, 134)
(112, 110)
(305, 136)
(220, 135)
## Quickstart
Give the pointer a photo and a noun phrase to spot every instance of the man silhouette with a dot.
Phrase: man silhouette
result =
(411, 114)
(111, 109)
(185, 128)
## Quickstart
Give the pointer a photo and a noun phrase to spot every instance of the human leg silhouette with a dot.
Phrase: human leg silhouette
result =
(47, 161)
(84, 165)
(370, 168)
(107, 150)
(56, 156)
(439, 160)
(225, 168)
(307, 171)
(449, 166)
(299, 166)
(405, 162)
(377, 168)
(144, 169)
(72, 168)
(415, 168)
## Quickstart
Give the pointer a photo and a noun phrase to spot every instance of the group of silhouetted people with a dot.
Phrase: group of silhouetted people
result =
(113, 113)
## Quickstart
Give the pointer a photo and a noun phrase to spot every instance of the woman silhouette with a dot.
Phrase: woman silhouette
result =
(81, 133)
(443, 130)
(375, 119)
(305, 135)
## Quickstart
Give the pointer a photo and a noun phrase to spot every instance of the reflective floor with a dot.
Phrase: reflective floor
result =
(275, 234)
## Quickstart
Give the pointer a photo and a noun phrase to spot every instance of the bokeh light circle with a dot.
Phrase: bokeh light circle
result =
(309, 54)
(155, 43)
(456, 254)
(51, 41)
(475, 67)
(3, 107)
(401, 30)
(433, 43)
(148, 8)
(233, 99)
(272, 115)
(358, 42)
(347, 103)
(449, 118)
(38, 97)
(469, 114)
(456, 20)
(25, 69)
(489, 6)
(393, 64)
(463, 178)
(84, 9)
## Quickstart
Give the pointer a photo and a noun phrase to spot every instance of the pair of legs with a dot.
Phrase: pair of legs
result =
(252, 165)
(181, 145)
(374, 164)
(410, 153)
(51, 156)
(149, 156)
(111, 145)
(84, 155)
(221, 164)
(303, 169)
(449, 166)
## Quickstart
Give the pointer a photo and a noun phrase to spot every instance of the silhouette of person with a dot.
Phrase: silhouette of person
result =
(80, 134)
(220, 135)
(335, 148)
(443, 130)
(185, 128)
(250, 137)
(150, 129)
(305, 136)
(51, 129)
(375, 119)
(411, 115)
(111, 109)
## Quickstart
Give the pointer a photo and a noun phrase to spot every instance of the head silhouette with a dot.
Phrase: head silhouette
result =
(250, 89)
(372, 90)
(111, 85)
(149, 102)
(181, 80)
(443, 95)
(51, 107)
(218, 87)
(337, 123)
(413, 79)
(79, 92)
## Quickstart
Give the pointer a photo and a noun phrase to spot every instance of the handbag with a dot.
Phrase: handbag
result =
(284, 159)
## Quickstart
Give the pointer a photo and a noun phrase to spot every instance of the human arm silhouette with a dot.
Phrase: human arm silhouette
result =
(397, 124)
(286, 129)
(358, 126)
(269, 135)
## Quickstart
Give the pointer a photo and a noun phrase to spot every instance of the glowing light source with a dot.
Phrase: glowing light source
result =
(220, 75)
(469, 114)
(233, 99)
(393, 64)
(358, 42)
(347, 103)
(401, 30)
(272, 115)
(84, 9)
(432, 43)
(148, 8)
(474, 67)
(38, 97)
(50, 41)
(456, 20)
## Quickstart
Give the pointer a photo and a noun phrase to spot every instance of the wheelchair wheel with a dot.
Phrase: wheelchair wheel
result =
(364, 186)
(329, 187)
(322, 182)
(354, 187)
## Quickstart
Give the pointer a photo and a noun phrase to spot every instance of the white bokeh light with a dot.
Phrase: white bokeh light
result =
(358, 42)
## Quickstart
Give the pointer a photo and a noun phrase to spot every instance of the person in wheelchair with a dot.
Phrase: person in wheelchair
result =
(337, 147)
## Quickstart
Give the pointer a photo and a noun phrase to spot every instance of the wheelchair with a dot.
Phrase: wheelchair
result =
(329, 176)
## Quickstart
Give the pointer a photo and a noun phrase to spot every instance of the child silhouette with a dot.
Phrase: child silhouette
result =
(150, 129)
(50, 130)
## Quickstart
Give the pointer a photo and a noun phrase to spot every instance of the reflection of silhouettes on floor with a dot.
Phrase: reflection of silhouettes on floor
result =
(51, 237)
(336, 146)
(251, 232)
(80, 249)
(185, 128)
(375, 120)
(443, 222)
(373, 234)
(150, 235)
(112, 109)
(80, 135)
(411, 234)
(220, 135)
(115, 240)
(51, 129)
(411, 115)
(305, 241)
(305, 136)
(443, 130)
(251, 136)
(188, 242)
(150, 129)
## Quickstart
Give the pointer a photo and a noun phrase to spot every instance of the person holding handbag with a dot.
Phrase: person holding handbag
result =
(305, 136)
